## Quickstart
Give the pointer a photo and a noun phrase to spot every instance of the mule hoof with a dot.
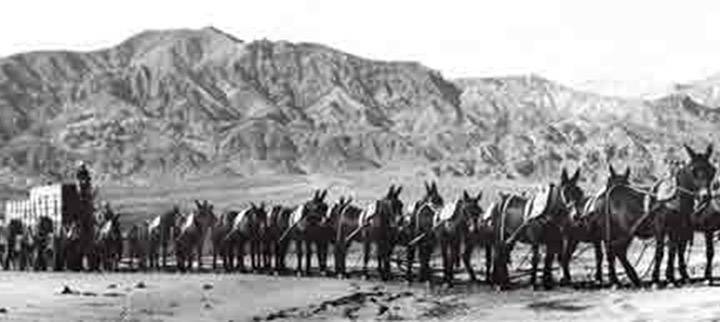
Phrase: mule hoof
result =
(708, 281)
(565, 282)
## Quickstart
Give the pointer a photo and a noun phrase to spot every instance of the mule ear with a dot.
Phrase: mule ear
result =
(612, 171)
(466, 196)
(479, 196)
(627, 173)
(427, 186)
(397, 192)
(691, 153)
(349, 200)
(708, 151)
(564, 176)
(391, 190)
(198, 204)
(323, 195)
(434, 187)
(576, 176)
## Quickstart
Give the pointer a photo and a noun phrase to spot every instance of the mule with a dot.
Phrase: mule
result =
(162, 231)
(14, 256)
(380, 227)
(306, 228)
(109, 242)
(247, 228)
(138, 241)
(707, 222)
(344, 218)
(418, 227)
(539, 220)
(674, 216)
(276, 246)
(43, 243)
(191, 236)
(454, 225)
(586, 225)
(217, 238)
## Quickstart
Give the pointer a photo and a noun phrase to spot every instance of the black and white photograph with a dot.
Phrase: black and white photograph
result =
(319, 160)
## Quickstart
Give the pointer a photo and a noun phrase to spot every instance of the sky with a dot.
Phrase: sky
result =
(620, 47)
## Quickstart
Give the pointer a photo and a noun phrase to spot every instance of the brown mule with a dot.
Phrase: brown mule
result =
(674, 216)
(344, 219)
(247, 228)
(455, 223)
(191, 236)
(544, 226)
(419, 228)
(381, 229)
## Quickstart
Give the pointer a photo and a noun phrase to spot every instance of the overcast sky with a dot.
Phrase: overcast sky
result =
(640, 45)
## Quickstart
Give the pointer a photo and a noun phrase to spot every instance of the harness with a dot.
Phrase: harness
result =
(648, 208)
(526, 220)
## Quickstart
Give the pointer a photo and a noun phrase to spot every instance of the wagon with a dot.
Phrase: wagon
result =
(59, 202)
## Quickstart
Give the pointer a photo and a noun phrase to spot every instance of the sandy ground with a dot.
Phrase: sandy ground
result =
(30, 296)
(235, 297)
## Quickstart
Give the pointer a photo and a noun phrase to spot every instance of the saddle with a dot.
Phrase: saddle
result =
(666, 189)
(445, 213)
(296, 215)
(487, 215)
(368, 212)
(537, 204)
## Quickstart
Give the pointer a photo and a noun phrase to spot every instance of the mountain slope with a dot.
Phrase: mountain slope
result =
(178, 103)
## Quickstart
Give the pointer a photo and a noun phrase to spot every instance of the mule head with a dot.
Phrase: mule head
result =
(618, 179)
(570, 192)
(390, 208)
(432, 195)
(469, 206)
(699, 172)
(337, 209)
(315, 210)
(258, 216)
(45, 225)
(205, 216)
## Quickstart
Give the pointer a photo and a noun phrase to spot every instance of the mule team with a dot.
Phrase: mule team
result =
(555, 220)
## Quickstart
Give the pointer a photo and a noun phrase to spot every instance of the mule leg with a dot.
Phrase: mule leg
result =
(612, 274)
(455, 253)
(308, 256)
(425, 253)
(488, 262)
(410, 259)
(709, 254)
(597, 246)
(298, 256)
(241, 256)
(199, 256)
(379, 255)
(566, 256)
(682, 265)
(446, 258)
(659, 250)
(164, 249)
(535, 260)
(670, 269)
(629, 269)
(322, 250)
(550, 252)
(466, 257)
(366, 257)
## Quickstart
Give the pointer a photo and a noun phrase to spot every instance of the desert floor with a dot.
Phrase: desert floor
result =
(206, 296)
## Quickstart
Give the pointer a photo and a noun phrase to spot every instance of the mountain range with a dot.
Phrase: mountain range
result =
(183, 103)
